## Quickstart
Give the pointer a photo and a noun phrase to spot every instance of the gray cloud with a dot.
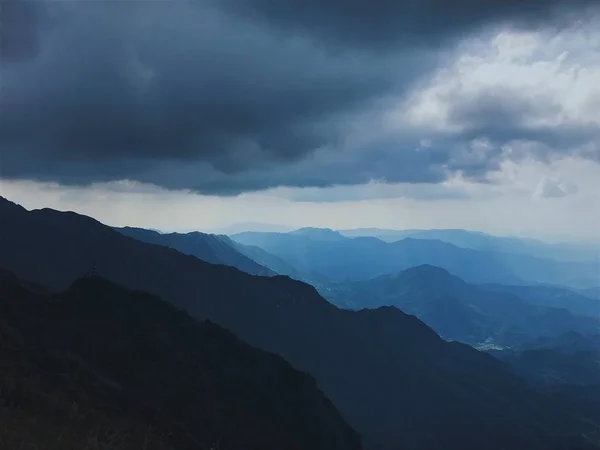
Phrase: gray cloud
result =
(225, 97)
(422, 191)
(555, 188)
(502, 117)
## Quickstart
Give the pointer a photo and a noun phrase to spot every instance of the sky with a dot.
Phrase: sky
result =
(198, 115)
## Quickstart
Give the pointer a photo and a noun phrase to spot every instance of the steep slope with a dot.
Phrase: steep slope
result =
(265, 258)
(123, 361)
(281, 267)
(368, 257)
(208, 247)
(392, 377)
(551, 296)
(458, 310)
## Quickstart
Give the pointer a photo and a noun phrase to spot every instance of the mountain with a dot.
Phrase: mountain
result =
(458, 310)
(567, 342)
(569, 359)
(552, 296)
(548, 367)
(367, 257)
(393, 378)
(123, 369)
(320, 234)
(477, 240)
(220, 249)
(276, 264)
(593, 292)
(208, 247)
(240, 227)
(385, 235)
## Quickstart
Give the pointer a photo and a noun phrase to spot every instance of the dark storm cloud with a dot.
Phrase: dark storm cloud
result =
(124, 82)
(225, 97)
(391, 23)
(20, 23)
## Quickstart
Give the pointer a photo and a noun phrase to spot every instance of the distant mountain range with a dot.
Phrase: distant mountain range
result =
(252, 226)
(334, 256)
(220, 249)
(393, 378)
(100, 366)
(482, 241)
(470, 313)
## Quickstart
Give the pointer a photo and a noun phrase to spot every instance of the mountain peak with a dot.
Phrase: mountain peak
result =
(428, 269)
(430, 275)
(323, 234)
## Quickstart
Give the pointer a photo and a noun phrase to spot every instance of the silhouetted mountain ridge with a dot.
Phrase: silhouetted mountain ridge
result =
(207, 247)
(390, 375)
(128, 359)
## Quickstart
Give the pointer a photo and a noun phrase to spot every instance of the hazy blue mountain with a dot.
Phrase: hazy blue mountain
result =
(386, 235)
(391, 376)
(593, 292)
(553, 296)
(275, 263)
(99, 361)
(252, 226)
(319, 234)
(458, 310)
(482, 241)
(368, 257)
(208, 247)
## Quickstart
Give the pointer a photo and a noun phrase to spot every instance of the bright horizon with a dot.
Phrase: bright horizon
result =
(238, 227)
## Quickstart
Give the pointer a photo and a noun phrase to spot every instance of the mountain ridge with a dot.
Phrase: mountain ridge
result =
(368, 257)
(211, 248)
(125, 352)
(390, 375)
(459, 310)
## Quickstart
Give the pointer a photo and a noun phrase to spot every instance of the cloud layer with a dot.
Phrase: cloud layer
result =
(233, 96)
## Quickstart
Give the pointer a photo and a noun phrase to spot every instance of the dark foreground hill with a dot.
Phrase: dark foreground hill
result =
(394, 380)
(570, 359)
(100, 366)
